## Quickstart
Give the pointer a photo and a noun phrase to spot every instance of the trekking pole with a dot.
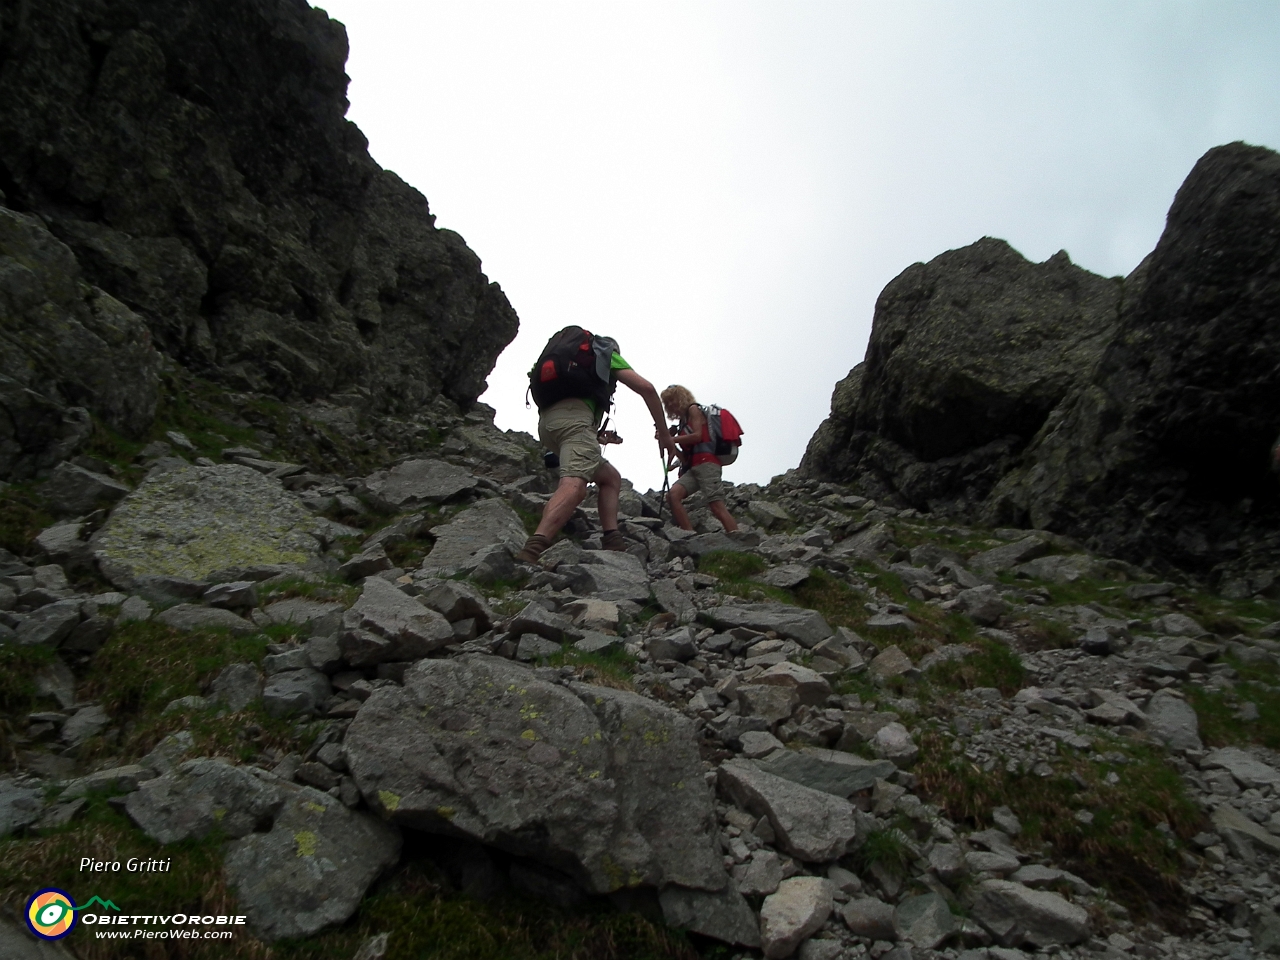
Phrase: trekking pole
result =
(666, 485)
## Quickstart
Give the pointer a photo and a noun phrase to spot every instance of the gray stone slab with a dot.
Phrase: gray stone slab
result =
(925, 920)
(786, 576)
(75, 490)
(416, 483)
(793, 913)
(385, 624)
(831, 771)
(21, 803)
(809, 824)
(1016, 915)
(1234, 826)
(675, 601)
(1009, 555)
(609, 575)
(295, 692)
(722, 914)
(463, 543)
(201, 795)
(190, 616)
(318, 616)
(806, 627)
(1247, 769)
(50, 625)
(1172, 720)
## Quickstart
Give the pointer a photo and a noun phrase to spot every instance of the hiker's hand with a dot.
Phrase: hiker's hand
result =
(608, 436)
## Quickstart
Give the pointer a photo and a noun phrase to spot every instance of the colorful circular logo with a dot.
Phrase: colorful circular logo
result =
(51, 914)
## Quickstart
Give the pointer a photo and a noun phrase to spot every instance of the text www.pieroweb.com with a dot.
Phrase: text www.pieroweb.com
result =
(175, 926)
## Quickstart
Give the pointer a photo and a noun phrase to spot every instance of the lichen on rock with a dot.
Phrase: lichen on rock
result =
(194, 521)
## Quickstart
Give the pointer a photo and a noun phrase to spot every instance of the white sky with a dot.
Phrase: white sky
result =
(725, 186)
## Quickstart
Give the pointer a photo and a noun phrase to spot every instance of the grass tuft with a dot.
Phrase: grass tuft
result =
(1121, 849)
(735, 571)
(22, 517)
(1218, 710)
(613, 668)
(994, 665)
(888, 849)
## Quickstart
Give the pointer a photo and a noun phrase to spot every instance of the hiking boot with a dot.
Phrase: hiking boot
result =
(533, 549)
(613, 540)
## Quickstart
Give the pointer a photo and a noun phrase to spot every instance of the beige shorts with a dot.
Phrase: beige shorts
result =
(704, 477)
(569, 428)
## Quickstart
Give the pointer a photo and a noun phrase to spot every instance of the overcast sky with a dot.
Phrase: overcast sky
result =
(725, 186)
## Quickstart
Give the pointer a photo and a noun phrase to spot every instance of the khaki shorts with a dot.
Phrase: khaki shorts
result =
(704, 477)
(569, 428)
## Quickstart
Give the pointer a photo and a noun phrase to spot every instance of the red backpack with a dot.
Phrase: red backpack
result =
(726, 432)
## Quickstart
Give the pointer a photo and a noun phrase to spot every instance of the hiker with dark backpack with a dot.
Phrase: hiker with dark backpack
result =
(572, 383)
(708, 447)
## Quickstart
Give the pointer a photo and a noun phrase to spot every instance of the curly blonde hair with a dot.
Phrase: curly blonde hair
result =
(677, 400)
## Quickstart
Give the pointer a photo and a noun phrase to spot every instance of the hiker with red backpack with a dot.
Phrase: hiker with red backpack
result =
(573, 383)
(710, 437)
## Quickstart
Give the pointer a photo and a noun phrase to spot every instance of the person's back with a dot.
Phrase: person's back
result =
(573, 383)
(703, 468)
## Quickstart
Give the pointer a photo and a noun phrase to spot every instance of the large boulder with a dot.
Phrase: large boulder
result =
(201, 171)
(601, 784)
(194, 521)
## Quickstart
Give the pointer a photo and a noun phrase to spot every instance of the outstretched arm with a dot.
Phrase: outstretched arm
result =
(649, 395)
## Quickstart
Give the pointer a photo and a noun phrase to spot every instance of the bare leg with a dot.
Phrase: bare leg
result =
(721, 513)
(562, 504)
(676, 499)
(609, 482)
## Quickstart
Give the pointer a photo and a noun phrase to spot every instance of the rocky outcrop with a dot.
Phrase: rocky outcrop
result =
(1136, 415)
(182, 175)
(968, 355)
(66, 348)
